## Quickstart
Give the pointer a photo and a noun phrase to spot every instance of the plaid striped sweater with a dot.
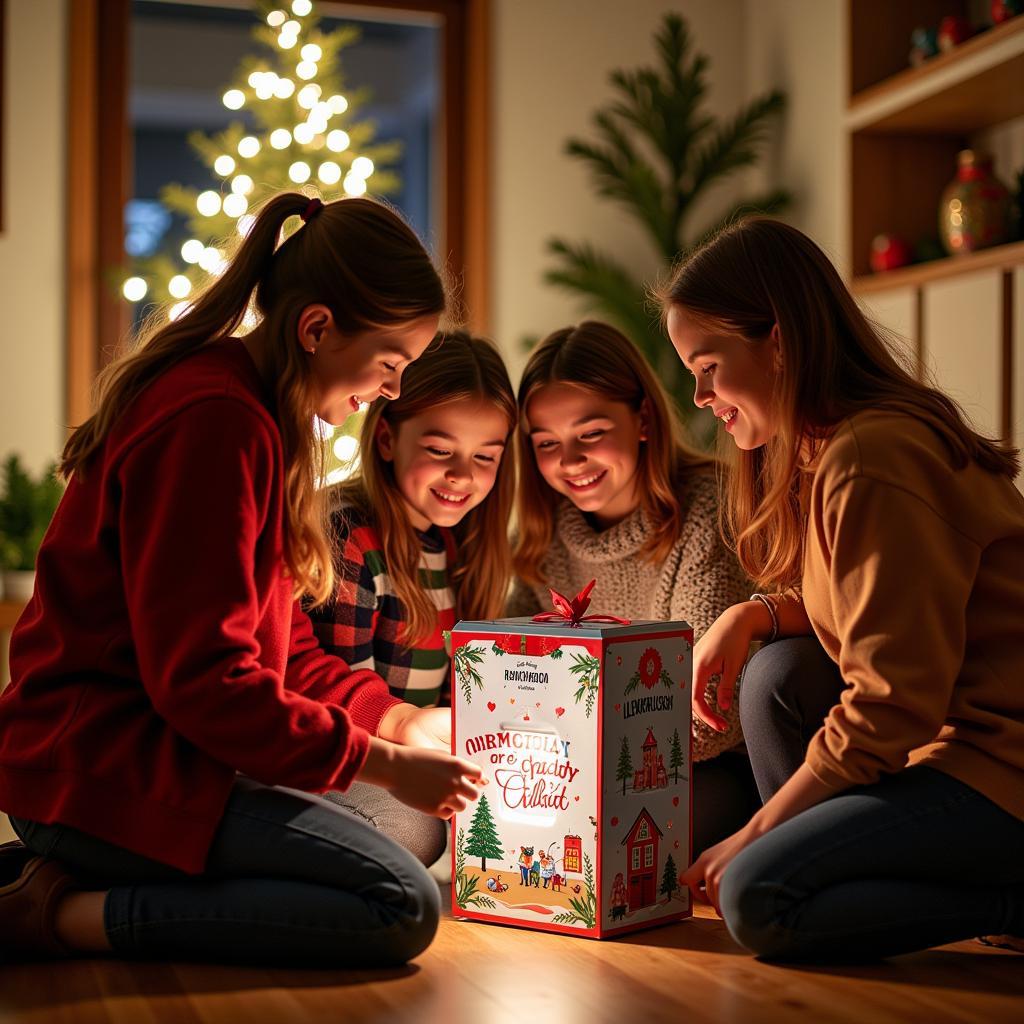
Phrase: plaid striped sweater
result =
(362, 622)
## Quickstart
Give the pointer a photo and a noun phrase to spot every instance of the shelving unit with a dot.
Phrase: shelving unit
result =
(904, 127)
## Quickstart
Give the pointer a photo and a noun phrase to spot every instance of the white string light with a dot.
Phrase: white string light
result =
(280, 138)
(311, 52)
(276, 18)
(338, 104)
(179, 286)
(306, 70)
(299, 172)
(134, 289)
(208, 203)
(176, 310)
(362, 167)
(234, 99)
(192, 250)
(329, 172)
(249, 146)
(308, 96)
(303, 134)
(235, 204)
(284, 88)
(224, 165)
(242, 184)
(338, 140)
(301, 7)
(245, 223)
(354, 185)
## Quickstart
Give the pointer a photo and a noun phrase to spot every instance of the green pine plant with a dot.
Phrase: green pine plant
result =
(26, 507)
(657, 153)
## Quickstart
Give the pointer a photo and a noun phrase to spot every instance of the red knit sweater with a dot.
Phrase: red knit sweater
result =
(162, 651)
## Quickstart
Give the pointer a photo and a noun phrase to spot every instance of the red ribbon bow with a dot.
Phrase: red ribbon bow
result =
(572, 611)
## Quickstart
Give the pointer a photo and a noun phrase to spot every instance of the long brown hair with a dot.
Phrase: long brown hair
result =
(597, 358)
(357, 257)
(458, 368)
(760, 273)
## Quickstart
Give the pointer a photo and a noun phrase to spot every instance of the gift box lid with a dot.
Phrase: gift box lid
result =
(589, 630)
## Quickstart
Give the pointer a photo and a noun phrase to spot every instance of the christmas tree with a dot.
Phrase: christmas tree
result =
(669, 878)
(482, 839)
(675, 761)
(301, 130)
(624, 769)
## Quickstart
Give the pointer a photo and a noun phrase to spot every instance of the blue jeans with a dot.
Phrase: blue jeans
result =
(289, 878)
(916, 860)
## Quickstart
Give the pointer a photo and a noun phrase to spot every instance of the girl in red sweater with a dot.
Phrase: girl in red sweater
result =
(166, 685)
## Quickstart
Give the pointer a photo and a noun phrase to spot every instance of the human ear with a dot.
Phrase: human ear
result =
(776, 339)
(645, 419)
(385, 440)
(315, 322)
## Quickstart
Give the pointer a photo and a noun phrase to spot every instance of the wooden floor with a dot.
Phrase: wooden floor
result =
(485, 974)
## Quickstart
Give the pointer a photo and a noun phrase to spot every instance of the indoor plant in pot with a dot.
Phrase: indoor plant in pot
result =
(26, 508)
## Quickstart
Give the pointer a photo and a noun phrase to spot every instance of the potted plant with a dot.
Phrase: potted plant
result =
(26, 508)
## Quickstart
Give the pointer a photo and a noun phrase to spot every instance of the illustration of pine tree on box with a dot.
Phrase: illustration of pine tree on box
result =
(482, 839)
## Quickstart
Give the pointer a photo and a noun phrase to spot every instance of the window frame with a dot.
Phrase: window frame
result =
(99, 164)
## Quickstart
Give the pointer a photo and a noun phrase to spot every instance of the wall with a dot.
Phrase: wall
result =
(551, 60)
(32, 240)
(799, 46)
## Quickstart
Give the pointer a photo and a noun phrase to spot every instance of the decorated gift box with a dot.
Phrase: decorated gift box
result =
(582, 726)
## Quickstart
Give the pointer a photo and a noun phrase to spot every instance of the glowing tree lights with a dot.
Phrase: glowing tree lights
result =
(300, 129)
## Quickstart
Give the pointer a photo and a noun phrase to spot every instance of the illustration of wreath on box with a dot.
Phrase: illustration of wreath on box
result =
(649, 672)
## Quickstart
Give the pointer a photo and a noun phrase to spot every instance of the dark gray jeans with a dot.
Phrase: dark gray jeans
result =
(290, 878)
(916, 860)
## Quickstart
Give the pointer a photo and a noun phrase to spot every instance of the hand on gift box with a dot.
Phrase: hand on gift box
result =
(427, 780)
(420, 727)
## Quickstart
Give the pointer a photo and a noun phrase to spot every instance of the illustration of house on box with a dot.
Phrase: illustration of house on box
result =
(572, 860)
(641, 844)
(652, 775)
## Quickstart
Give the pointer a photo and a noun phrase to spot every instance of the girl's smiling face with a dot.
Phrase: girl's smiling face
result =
(587, 447)
(735, 378)
(353, 368)
(446, 459)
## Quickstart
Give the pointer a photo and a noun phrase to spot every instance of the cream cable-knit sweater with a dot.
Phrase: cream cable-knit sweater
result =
(697, 582)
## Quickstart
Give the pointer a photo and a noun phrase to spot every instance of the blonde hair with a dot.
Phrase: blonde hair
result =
(760, 273)
(356, 256)
(459, 368)
(598, 358)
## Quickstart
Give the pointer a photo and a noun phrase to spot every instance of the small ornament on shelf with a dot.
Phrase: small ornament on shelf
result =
(888, 252)
(975, 211)
(1004, 10)
(953, 30)
(924, 44)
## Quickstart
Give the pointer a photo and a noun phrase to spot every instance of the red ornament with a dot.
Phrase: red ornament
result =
(953, 30)
(1004, 10)
(889, 252)
(649, 667)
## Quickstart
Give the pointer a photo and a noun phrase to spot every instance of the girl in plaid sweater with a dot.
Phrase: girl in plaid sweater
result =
(421, 540)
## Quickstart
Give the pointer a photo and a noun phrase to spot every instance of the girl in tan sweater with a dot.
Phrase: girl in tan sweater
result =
(887, 733)
(608, 491)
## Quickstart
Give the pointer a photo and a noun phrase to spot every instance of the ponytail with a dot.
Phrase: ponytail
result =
(215, 315)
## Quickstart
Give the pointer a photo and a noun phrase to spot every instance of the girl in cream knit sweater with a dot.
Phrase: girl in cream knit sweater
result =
(609, 492)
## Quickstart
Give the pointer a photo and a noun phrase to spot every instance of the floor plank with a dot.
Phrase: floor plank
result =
(485, 974)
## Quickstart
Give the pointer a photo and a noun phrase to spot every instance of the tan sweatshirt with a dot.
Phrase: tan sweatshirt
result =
(913, 580)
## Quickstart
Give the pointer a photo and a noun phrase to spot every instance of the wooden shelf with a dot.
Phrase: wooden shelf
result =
(10, 612)
(1003, 257)
(975, 85)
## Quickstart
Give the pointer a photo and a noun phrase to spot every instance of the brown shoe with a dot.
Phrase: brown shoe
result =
(1013, 942)
(28, 906)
